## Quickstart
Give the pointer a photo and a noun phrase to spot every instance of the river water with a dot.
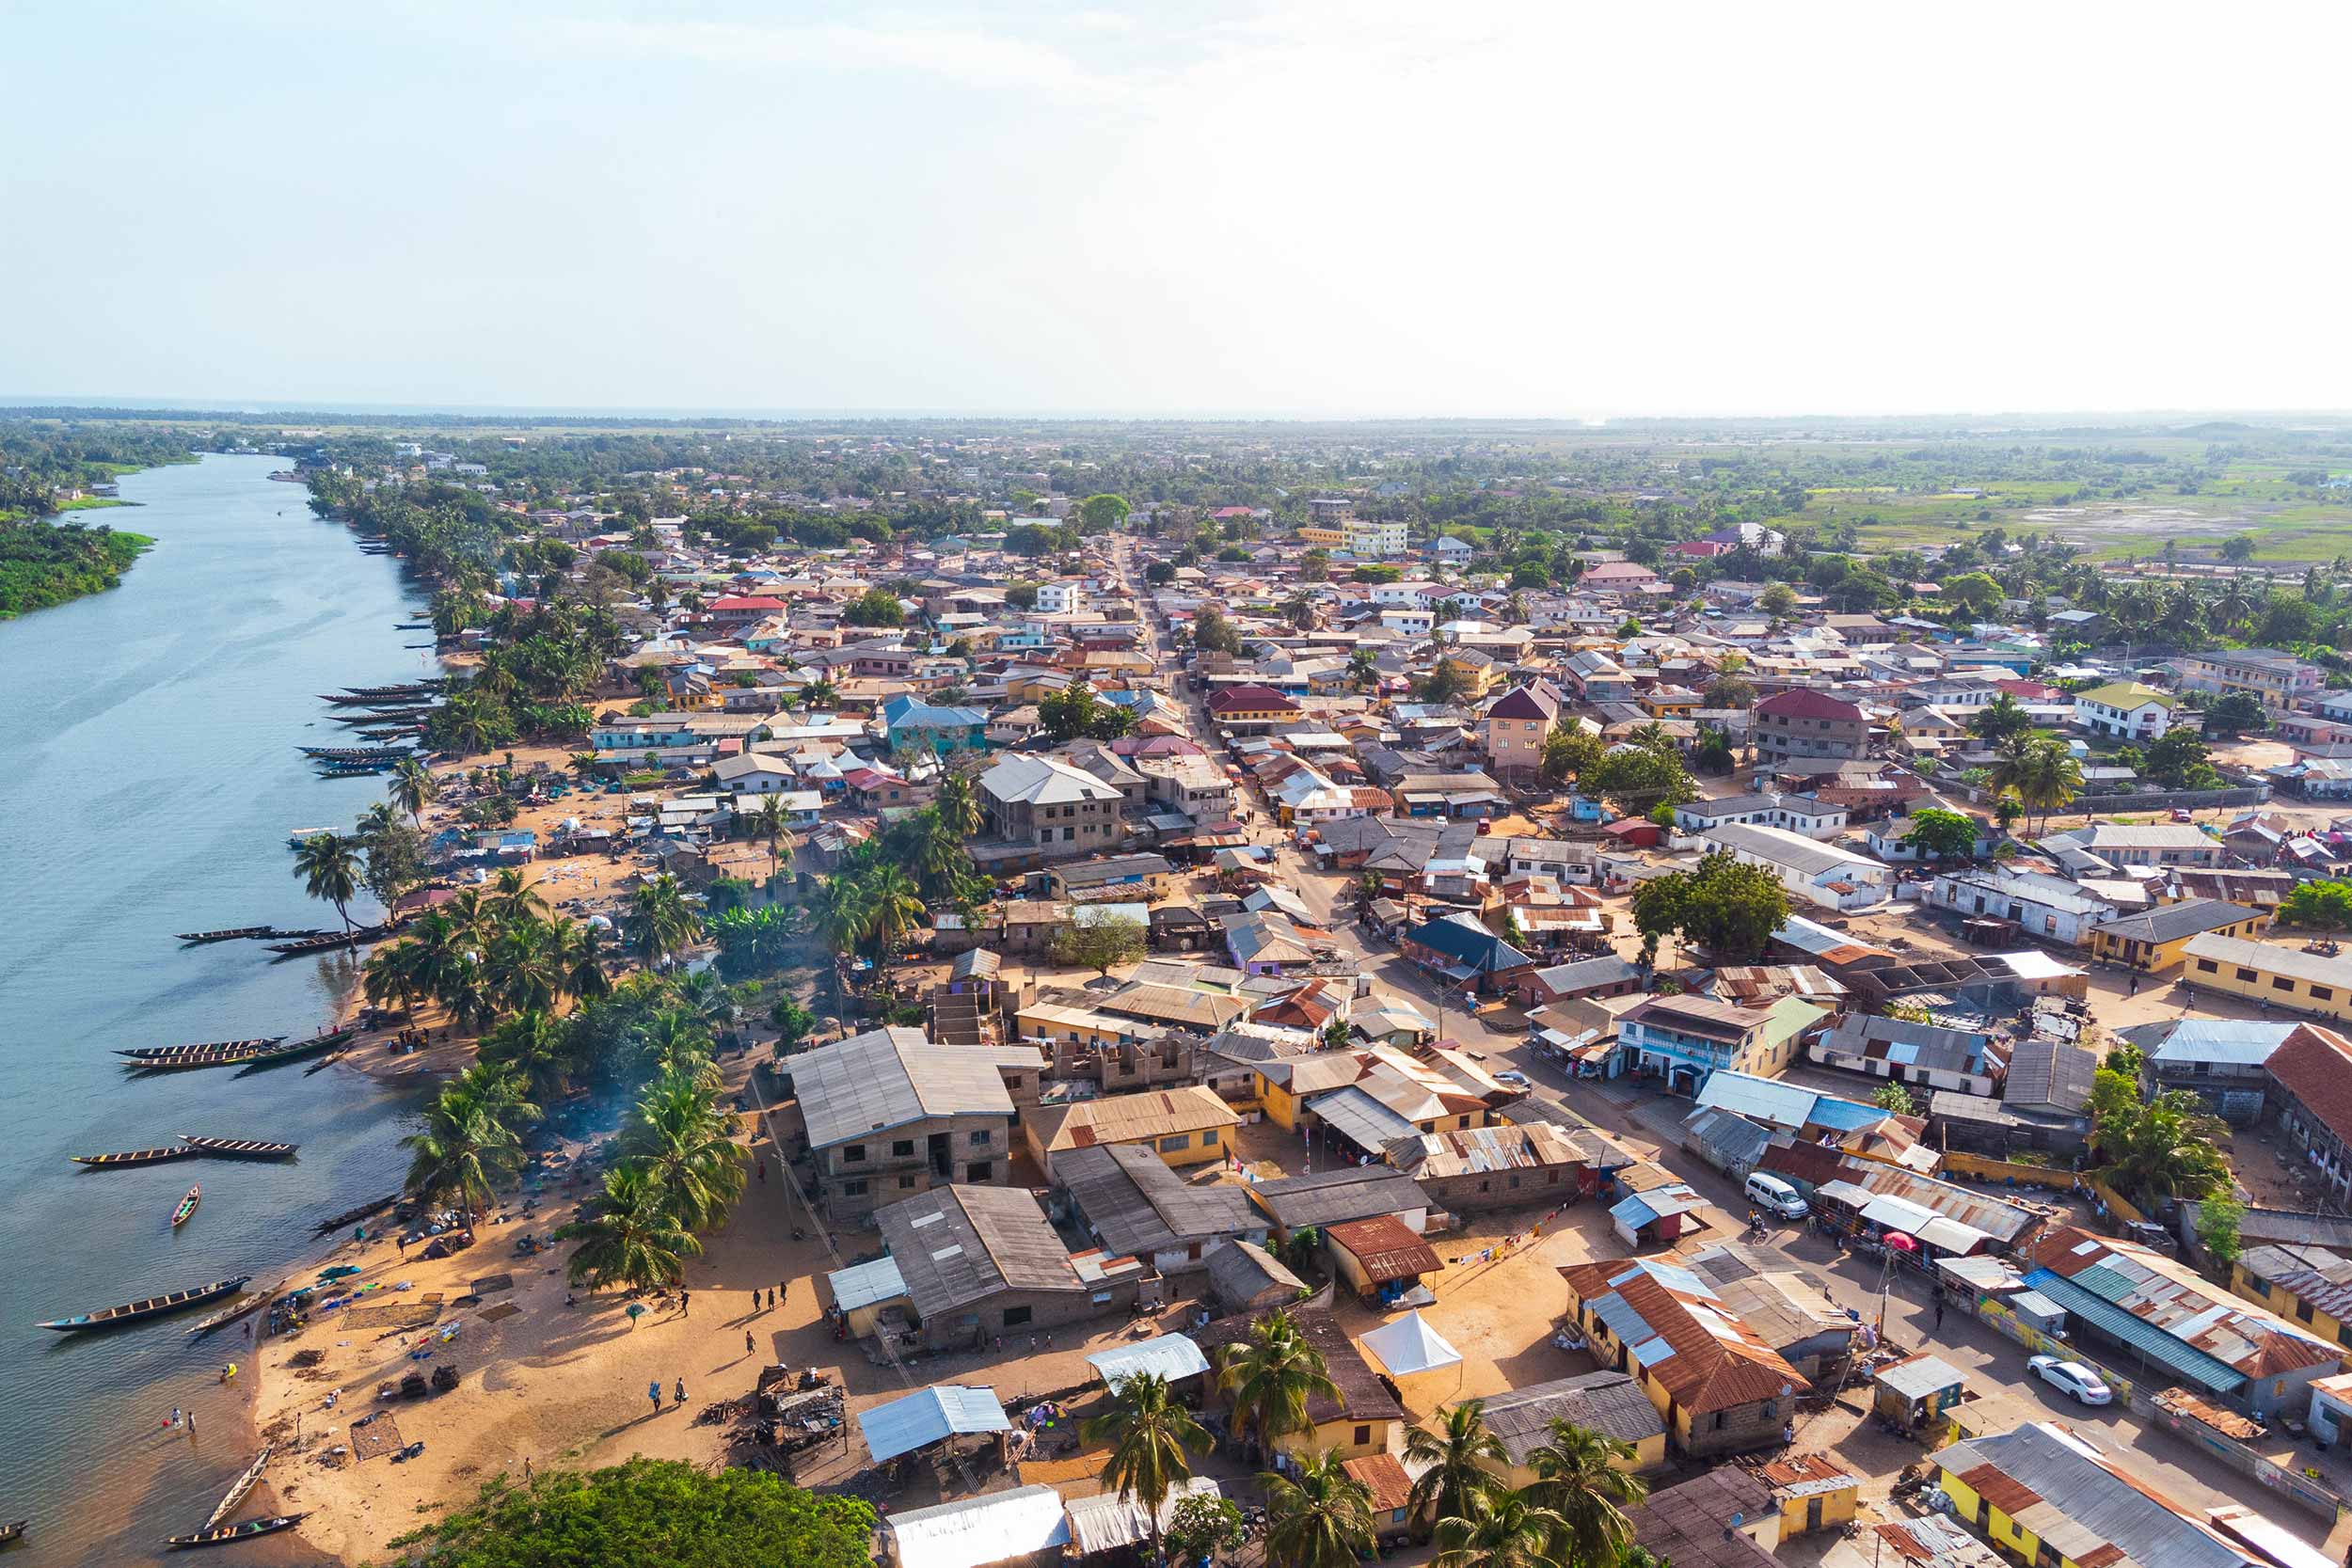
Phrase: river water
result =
(149, 778)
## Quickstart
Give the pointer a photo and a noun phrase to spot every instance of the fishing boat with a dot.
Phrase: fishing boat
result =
(328, 943)
(238, 1148)
(153, 1306)
(209, 1053)
(301, 836)
(353, 1216)
(235, 1310)
(133, 1157)
(351, 769)
(229, 933)
(355, 753)
(187, 1210)
(240, 1488)
(10, 1534)
(299, 1048)
(245, 1531)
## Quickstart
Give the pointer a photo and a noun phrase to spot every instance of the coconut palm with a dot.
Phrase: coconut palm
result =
(942, 863)
(470, 1140)
(821, 695)
(629, 1236)
(660, 925)
(1462, 1456)
(2162, 1148)
(329, 869)
(575, 947)
(1323, 1519)
(677, 1042)
(441, 949)
(773, 824)
(1271, 1375)
(1585, 1477)
(844, 916)
(532, 1048)
(520, 967)
(393, 972)
(1503, 1531)
(684, 1144)
(896, 911)
(2048, 778)
(413, 787)
(957, 806)
(1152, 1441)
(513, 898)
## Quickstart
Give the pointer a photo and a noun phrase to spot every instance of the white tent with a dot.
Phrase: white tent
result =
(1410, 1345)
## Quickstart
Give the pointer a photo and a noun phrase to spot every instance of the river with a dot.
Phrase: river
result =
(149, 778)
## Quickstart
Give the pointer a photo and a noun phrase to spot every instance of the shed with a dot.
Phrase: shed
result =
(1244, 1277)
(1109, 1522)
(863, 1292)
(1657, 1217)
(1027, 1524)
(1171, 1356)
(927, 1415)
(1916, 1393)
(1380, 1255)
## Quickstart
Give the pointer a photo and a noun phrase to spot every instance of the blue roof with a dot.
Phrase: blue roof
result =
(905, 712)
(2183, 1360)
(1461, 938)
(2242, 1042)
(927, 1416)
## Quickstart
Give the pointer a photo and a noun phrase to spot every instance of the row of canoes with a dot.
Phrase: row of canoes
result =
(190, 1148)
(235, 933)
(246, 1052)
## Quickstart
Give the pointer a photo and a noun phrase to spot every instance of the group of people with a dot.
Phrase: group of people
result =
(653, 1392)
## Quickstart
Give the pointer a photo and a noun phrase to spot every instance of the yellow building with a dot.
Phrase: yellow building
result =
(1480, 673)
(1047, 1021)
(1812, 1492)
(2265, 971)
(1315, 534)
(1184, 1126)
(1365, 1419)
(2027, 1491)
(1609, 1402)
(1718, 1387)
(2310, 1287)
(1423, 1093)
(1669, 702)
(2154, 940)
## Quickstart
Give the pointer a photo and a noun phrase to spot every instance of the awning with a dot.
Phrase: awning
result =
(927, 1416)
(1362, 1120)
(1410, 1345)
(1169, 1355)
(866, 1284)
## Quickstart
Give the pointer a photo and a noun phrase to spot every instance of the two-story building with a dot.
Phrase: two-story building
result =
(2279, 681)
(2124, 710)
(1519, 723)
(1801, 725)
(1045, 804)
(1683, 1041)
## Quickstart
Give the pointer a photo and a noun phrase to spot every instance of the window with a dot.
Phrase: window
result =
(1208, 1139)
(901, 1148)
(905, 1182)
(1363, 1434)
(855, 1187)
(980, 1139)
(1175, 1141)
(1514, 1179)
(853, 1154)
(2246, 974)
(2208, 967)
(2280, 982)
(1016, 1315)
(2321, 993)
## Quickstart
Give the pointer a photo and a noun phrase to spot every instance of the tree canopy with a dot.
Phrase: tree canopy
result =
(1730, 909)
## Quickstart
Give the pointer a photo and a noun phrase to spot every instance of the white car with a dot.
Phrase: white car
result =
(1512, 1076)
(2071, 1377)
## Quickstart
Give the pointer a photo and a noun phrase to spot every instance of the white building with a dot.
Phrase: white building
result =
(2050, 908)
(2125, 710)
(1375, 539)
(1822, 874)
(1062, 597)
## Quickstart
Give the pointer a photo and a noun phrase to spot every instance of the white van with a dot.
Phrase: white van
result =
(1775, 1197)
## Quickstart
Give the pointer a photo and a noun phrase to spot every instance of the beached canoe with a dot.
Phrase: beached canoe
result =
(153, 1306)
(238, 1148)
(227, 1315)
(241, 1488)
(228, 934)
(133, 1157)
(187, 1210)
(245, 1531)
(207, 1053)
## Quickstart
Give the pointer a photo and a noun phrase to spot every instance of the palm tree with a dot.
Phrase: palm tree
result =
(706, 997)
(392, 973)
(532, 1048)
(573, 947)
(1152, 1440)
(677, 1042)
(522, 969)
(844, 914)
(513, 898)
(941, 861)
(1502, 1530)
(1321, 1520)
(957, 808)
(1271, 1376)
(896, 909)
(331, 870)
(1462, 1456)
(2161, 1150)
(773, 823)
(2049, 778)
(413, 787)
(820, 694)
(1579, 1478)
(684, 1145)
(659, 923)
(628, 1237)
(469, 1140)
(440, 952)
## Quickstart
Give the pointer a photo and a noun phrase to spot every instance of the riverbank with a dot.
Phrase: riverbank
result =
(44, 564)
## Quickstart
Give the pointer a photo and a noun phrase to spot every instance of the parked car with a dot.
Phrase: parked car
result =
(2072, 1377)
(1512, 1076)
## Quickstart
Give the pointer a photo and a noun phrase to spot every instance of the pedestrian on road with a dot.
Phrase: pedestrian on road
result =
(685, 1300)
(754, 1301)
(1939, 1313)
(653, 1392)
(2135, 989)
(749, 1348)
(763, 1171)
(681, 1391)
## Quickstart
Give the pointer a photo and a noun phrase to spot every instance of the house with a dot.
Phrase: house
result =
(2309, 1285)
(908, 720)
(2048, 1496)
(1812, 1492)
(1184, 1126)
(1257, 706)
(1790, 1310)
(1045, 805)
(1685, 1040)
(1821, 873)
(2147, 1310)
(1363, 1419)
(2124, 710)
(1611, 975)
(1027, 1527)
(2156, 941)
(2114, 844)
(2310, 1073)
(887, 1114)
(1801, 724)
(1719, 1388)
(2279, 681)
(1924, 1055)
(1796, 814)
(1470, 1169)
(1608, 1401)
(1133, 1204)
(980, 1261)
(1821, 1121)
(1332, 1197)
(2045, 907)
(2262, 972)
(1720, 1519)
(1248, 1279)
(1378, 1257)
(1465, 953)
(1517, 723)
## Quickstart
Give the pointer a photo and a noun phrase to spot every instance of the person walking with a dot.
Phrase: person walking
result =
(681, 1391)
(754, 1301)
(685, 1302)
(771, 1301)
(653, 1392)
(749, 1346)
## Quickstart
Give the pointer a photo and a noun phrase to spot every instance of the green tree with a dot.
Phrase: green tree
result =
(2238, 546)
(470, 1140)
(2000, 717)
(1633, 779)
(1460, 1454)
(1570, 752)
(647, 1510)
(773, 824)
(1446, 682)
(1777, 600)
(2317, 906)
(958, 808)
(1971, 592)
(1213, 634)
(627, 1235)
(2156, 1148)
(685, 1145)
(1101, 513)
(659, 923)
(2217, 1220)
(2175, 757)
(1894, 1099)
(1731, 691)
(1502, 1530)
(1021, 594)
(1153, 1441)
(1201, 1529)
(1730, 909)
(1270, 1377)
(329, 869)
(2237, 713)
(1100, 945)
(876, 606)
(1322, 1519)
(413, 787)
(1941, 834)
(1586, 1479)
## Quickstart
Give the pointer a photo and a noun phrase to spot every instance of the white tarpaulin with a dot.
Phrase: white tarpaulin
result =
(988, 1528)
(1410, 1345)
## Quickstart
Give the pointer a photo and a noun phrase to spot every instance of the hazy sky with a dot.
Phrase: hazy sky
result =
(1309, 206)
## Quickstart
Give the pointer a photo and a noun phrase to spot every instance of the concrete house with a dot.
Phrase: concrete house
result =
(2048, 908)
(1718, 1386)
(2126, 710)
(889, 1114)
(1517, 723)
(1045, 805)
(1685, 1040)
(1801, 725)
(1820, 874)
(2156, 942)
(2263, 971)
(978, 1262)
(1133, 1204)
(1182, 1127)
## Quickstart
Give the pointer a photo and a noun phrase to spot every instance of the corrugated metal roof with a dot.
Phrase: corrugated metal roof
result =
(866, 1284)
(1168, 1355)
(1108, 1521)
(2146, 1337)
(1360, 1117)
(928, 1415)
(2078, 1502)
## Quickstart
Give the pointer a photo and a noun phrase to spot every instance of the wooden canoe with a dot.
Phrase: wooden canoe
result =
(10, 1533)
(237, 1149)
(241, 1488)
(187, 1210)
(245, 1531)
(208, 1053)
(152, 1306)
(133, 1157)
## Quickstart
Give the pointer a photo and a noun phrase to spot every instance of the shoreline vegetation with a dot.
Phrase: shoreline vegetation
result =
(47, 472)
(45, 564)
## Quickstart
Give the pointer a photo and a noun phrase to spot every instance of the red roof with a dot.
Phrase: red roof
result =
(1525, 702)
(1803, 704)
(747, 601)
(2314, 1065)
(1249, 698)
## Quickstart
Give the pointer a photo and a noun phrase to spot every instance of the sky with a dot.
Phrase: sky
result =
(1293, 207)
